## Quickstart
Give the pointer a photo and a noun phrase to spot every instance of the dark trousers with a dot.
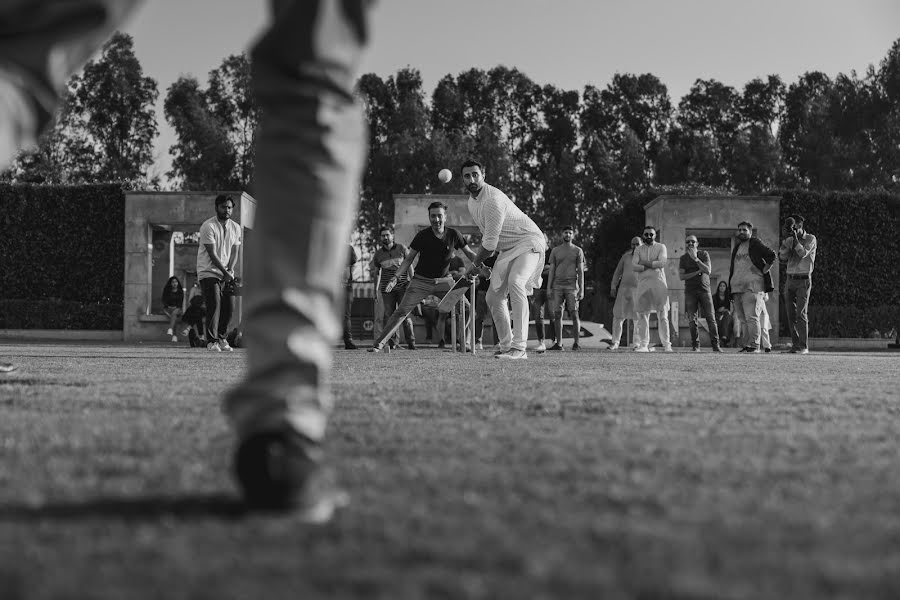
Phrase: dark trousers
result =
(693, 302)
(796, 299)
(391, 300)
(348, 314)
(218, 309)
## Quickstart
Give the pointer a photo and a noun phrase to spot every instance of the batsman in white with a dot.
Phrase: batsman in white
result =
(311, 148)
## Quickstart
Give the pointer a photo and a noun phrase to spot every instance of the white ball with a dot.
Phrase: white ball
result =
(445, 175)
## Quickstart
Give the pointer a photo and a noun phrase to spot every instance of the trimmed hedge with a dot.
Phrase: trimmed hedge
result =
(851, 321)
(858, 246)
(54, 313)
(62, 255)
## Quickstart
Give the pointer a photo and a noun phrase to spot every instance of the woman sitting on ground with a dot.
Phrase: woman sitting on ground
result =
(173, 303)
(722, 306)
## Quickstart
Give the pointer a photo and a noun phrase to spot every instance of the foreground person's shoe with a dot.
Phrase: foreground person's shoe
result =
(282, 471)
(7, 367)
(513, 354)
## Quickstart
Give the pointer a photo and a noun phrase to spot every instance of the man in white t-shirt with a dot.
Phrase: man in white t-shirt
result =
(220, 240)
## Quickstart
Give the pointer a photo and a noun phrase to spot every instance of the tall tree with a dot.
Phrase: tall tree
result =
(110, 124)
(216, 128)
(202, 158)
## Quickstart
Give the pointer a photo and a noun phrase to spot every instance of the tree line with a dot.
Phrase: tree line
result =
(564, 156)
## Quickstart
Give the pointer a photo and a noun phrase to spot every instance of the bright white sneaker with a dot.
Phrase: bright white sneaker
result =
(169, 331)
(513, 354)
(613, 347)
(224, 346)
(478, 346)
(667, 348)
(213, 347)
(540, 347)
(174, 338)
(642, 349)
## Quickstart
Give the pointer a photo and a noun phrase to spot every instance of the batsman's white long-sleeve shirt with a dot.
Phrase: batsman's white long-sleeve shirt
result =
(503, 225)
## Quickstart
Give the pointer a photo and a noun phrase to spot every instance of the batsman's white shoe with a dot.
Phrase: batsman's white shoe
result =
(169, 331)
(613, 347)
(540, 348)
(513, 354)
(667, 348)
(642, 349)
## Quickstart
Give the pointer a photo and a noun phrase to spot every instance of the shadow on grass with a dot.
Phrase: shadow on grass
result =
(220, 506)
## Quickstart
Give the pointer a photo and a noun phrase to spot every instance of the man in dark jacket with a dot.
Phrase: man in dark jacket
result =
(749, 280)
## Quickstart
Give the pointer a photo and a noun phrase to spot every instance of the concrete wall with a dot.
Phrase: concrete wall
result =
(713, 217)
(174, 211)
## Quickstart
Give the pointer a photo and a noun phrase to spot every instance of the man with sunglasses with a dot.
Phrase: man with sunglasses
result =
(694, 268)
(649, 262)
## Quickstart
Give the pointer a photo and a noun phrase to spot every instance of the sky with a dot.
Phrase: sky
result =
(567, 43)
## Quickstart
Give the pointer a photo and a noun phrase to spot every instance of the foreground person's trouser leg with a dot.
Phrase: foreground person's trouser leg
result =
(308, 164)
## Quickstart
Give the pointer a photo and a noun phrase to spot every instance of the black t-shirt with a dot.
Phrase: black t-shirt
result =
(434, 253)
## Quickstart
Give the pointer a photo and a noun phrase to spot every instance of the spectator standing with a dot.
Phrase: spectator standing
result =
(694, 268)
(388, 257)
(649, 262)
(798, 249)
(566, 285)
(748, 280)
(220, 240)
(622, 288)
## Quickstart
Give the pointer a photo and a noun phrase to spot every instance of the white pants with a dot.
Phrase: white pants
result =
(642, 328)
(513, 283)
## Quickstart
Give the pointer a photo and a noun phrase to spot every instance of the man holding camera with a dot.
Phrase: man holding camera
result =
(798, 249)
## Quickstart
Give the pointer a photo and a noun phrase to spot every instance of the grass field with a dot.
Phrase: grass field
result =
(574, 475)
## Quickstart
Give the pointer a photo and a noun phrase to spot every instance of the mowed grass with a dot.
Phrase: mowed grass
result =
(574, 475)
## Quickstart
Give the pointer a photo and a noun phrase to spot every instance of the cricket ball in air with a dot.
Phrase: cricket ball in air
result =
(445, 175)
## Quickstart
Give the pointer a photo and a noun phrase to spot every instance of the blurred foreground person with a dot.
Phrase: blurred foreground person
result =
(309, 159)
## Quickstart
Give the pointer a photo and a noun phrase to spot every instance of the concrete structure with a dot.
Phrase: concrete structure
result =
(714, 220)
(159, 232)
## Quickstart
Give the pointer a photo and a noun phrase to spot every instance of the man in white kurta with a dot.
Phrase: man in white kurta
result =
(521, 244)
(649, 262)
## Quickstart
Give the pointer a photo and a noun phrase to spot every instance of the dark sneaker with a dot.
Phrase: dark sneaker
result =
(375, 349)
(349, 345)
(282, 471)
(768, 350)
(695, 347)
(717, 349)
(442, 344)
(556, 347)
(411, 346)
(391, 344)
(749, 350)
(575, 347)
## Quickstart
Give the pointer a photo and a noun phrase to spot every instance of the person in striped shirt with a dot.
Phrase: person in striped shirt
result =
(521, 244)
